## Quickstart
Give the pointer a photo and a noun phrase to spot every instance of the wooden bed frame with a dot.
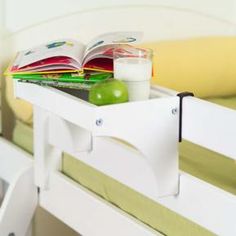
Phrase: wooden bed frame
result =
(202, 203)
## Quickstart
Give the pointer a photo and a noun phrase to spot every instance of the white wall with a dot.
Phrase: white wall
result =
(2, 17)
(23, 13)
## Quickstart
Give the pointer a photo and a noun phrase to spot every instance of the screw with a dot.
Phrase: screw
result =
(174, 111)
(99, 122)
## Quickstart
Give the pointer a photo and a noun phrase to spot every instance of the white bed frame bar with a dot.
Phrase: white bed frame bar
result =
(151, 168)
(19, 193)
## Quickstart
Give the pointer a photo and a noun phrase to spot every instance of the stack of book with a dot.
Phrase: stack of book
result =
(68, 63)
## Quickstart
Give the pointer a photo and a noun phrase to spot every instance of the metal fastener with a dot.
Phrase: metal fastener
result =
(174, 111)
(99, 122)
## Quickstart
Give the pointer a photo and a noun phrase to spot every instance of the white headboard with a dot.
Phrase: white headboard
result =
(157, 23)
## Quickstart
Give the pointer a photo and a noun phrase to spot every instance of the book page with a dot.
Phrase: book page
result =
(111, 39)
(66, 48)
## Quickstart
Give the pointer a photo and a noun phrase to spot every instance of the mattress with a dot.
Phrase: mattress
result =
(202, 163)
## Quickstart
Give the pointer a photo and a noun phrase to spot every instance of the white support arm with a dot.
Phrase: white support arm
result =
(152, 128)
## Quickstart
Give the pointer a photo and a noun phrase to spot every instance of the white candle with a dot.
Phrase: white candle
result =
(136, 72)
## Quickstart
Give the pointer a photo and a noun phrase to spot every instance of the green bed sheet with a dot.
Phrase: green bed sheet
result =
(202, 163)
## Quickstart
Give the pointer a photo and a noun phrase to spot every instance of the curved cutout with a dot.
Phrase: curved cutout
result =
(124, 142)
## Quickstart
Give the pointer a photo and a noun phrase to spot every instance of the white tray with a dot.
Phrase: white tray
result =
(149, 164)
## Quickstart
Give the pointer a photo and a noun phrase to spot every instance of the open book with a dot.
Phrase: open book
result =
(70, 55)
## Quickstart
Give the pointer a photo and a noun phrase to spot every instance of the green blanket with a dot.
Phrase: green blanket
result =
(202, 163)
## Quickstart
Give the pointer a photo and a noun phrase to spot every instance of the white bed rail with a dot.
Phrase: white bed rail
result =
(207, 124)
(87, 213)
(210, 125)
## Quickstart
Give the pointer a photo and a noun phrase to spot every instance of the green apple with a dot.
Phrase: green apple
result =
(108, 91)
